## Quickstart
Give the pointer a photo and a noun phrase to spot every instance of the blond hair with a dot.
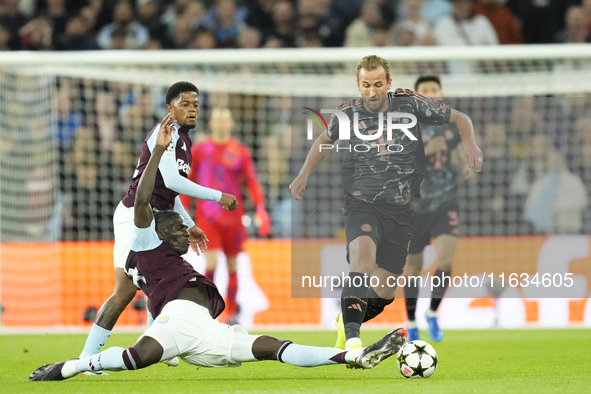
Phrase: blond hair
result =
(371, 62)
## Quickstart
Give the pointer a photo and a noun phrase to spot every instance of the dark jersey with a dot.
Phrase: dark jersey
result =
(380, 171)
(162, 197)
(439, 186)
(162, 274)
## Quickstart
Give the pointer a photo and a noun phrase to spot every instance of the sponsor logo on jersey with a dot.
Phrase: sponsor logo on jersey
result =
(182, 166)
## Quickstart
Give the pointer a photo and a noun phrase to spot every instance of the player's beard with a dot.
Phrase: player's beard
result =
(374, 106)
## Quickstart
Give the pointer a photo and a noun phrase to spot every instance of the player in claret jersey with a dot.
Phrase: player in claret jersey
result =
(223, 162)
(436, 212)
(379, 179)
(182, 102)
(186, 304)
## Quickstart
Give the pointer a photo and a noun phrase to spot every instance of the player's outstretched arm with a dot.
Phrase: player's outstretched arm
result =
(142, 210)
(315, 156)
(472, 152)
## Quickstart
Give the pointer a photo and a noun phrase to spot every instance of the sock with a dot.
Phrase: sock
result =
(411, 324)
(312, 356)
(232, 290)
(149, 320)
(97, 337)
(439, 291)
(375, 304)
(209, 274)
(411, 292)
(112, 359)
(353, 304)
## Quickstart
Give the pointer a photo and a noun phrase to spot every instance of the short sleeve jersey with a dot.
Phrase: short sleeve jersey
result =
(439, 186)
(162, 197)
(162, 274)
(392, 173)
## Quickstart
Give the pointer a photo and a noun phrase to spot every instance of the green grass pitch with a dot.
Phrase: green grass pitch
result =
(476, 361)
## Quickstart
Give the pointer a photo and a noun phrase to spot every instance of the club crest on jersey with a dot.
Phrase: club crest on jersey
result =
(170, 147)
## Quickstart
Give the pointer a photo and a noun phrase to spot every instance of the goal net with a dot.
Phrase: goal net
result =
(72, 125)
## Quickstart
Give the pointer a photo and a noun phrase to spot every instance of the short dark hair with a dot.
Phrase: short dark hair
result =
(427, 78)
(177, 88)
(161, 217)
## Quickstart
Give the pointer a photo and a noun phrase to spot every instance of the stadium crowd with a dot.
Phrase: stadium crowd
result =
(207, 24)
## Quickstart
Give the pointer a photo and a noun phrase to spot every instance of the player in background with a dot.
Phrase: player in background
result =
(182, 102)
(378, 186)
(436, 212)
(186, 303)
(223, 162)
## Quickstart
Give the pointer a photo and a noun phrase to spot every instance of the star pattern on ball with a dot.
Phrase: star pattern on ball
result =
(418, 370)
(420, 350)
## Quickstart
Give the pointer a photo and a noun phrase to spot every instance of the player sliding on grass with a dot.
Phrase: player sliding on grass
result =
(436, 212)
(182, 102)
(186, 304)
(378, 185)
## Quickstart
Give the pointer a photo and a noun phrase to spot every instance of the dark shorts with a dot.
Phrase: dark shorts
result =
(390, 227)
(429, 225)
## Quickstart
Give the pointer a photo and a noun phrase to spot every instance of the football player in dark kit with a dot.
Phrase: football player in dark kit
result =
(379, 178)
(186, 304)
(182, 102)
(436, 212)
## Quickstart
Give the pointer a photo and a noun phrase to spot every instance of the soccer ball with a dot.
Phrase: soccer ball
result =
(416, 359)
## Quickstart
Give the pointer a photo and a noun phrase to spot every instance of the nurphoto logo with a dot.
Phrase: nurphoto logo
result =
(344, 124)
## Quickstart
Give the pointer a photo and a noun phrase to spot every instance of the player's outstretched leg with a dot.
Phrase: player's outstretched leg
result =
(108, 315)
(269, 348)
(144, 353)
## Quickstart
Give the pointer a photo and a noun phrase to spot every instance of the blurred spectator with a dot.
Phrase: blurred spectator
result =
(280, 33)
(249, 38)
(540, 19)
(557, 199)
(136, 35)
(498, 208)
(105, 122)
(149, 16)
(316, 26)
(506, 25)
(431, 10)
(577, 27)
(57, 14)
(204, 39)
(183, 34)
(68, 119)
(404, 35)
(418, 24)
(260, 14)
(224, 21)
(89, 17)
(586, 5)
(90, 193)
(154, 45)
(190, 9)
(360, 32)
(118, 37)
(75, 37)
(4, 38)
(464, 27)
(36, 35)
(381, 37)
(13, 20)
